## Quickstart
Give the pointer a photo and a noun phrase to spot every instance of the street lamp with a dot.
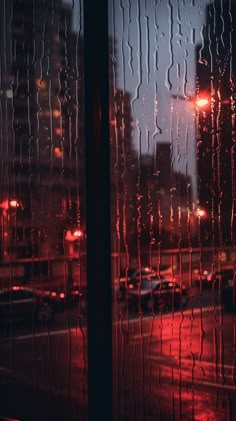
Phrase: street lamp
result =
(201, 101)
(201, 213)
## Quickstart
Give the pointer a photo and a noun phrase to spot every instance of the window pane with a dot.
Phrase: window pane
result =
(172, 136)
(43, 349)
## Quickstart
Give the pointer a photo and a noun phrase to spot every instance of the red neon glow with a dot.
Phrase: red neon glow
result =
(62, 295)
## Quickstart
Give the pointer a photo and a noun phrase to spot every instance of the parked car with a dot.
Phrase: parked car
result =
(63, 296)
(119, 284)
(202, 280)
(228, 290)
(137, 274)
(218, 279)
(156, 294)
(24, 303)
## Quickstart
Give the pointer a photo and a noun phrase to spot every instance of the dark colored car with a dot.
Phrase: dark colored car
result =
(156, 294)
(216, 280)
(134, 275)
(227, 289)
(223, 284)
(221, 278)
(63, 296)
(203, 280)
(24, 303)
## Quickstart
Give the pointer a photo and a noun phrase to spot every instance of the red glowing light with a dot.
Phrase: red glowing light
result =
(62, 295)
(56, 113)
(77, 233)
(54, 294)
(58, 131)
(202, 102)
(14, 204)
(75, 292)
(73, 235)
(201, 213)
(58, 152)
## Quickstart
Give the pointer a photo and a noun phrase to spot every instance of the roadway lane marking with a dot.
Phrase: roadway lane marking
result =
(156, 316)
(77, 331)
(195, 363)
(67, 331)
(216, 385)
(167, 361)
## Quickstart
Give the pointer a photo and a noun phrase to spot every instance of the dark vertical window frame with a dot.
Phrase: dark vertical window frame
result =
(96, 71)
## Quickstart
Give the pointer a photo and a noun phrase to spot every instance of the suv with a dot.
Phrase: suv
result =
(24, 303)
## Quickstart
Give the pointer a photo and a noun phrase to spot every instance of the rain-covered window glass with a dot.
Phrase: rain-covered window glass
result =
(42, 211)
(172, 134)
(172, 138)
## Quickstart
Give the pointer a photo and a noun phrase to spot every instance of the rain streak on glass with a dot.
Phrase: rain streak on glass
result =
(173, 208)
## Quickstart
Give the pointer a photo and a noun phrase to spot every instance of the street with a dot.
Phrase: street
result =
(175, 366)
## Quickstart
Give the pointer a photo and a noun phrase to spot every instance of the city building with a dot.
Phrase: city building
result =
(216, 154)
(42, 139)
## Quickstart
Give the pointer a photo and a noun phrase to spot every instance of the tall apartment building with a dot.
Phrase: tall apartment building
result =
(42, 141)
